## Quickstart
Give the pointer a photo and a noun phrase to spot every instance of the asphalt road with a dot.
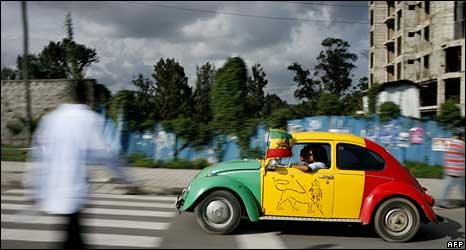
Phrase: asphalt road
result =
(128, 221)
(185, 233)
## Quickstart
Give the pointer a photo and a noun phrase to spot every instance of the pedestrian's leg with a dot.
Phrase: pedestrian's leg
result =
(448, 184)
(73, 238)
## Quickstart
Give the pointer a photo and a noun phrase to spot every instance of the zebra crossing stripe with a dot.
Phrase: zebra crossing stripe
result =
(54, 220)
(111, 196)
(102, 202)
(260, 241)
(90, 238)
(100, 211)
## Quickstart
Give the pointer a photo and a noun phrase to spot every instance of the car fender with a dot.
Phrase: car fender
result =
(392, 189)
(205, 185)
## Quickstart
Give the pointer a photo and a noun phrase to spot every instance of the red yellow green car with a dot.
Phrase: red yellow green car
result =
(362, 183)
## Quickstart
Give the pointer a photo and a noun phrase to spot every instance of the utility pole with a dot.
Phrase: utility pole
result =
(25, 73)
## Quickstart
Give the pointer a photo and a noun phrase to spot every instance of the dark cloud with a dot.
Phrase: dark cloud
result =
(130, 37)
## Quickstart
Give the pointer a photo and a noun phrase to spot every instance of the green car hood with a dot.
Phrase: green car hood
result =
(231, 166)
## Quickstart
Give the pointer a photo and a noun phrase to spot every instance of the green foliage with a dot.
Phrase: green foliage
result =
(329, 104)
(16, 125)
(140, 160)
(335, 65)
(308, 88)
(9, 74)
(173, 96)
(389, 111)
(255, 85)
(13, 153)
(423, 170)
(272, 103)
(279, 117)
(60, 60)
(372, 94)
(201, 98)
(450, 115)
(228, 95)
(124, 102)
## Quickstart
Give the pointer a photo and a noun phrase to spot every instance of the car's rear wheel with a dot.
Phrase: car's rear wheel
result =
(397, 220)
(218, 213)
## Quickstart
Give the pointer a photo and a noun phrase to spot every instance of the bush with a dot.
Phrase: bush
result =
(14, 153)
(16, 125)
(423, 170)
(389, 111)
(450, 115)
(329, 104)
(141, 160)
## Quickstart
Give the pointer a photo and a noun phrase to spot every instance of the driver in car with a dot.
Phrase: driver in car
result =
(311, 158)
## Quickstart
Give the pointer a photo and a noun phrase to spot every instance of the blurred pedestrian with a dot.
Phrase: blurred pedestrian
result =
(453, 167)
(68, 137)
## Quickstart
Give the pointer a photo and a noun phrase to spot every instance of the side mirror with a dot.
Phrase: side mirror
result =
(272, 164)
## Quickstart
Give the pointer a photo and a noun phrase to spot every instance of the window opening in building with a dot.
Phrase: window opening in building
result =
(411, 34)
(398, 45)
(428, 94)
(459, 19)
(372, 38)
(426, 33)
(412, 7)
(398, 71)
(452, 89)
(372, 60)
(453, 59)
(398, 21)
(426, 62)
(372, 17)
(410, 61)
(427, 7)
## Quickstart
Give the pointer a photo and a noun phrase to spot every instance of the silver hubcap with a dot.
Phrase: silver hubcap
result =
(398, 221)
(218, 212)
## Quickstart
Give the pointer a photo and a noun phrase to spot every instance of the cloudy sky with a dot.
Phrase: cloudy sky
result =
(130, 37)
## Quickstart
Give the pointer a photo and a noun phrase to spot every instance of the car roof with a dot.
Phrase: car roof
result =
(327, 136)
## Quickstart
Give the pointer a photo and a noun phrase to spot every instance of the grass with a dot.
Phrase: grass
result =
(13, 153)
(423, 170)
(140, 160)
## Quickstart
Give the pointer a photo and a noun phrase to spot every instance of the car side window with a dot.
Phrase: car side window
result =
(353, 157)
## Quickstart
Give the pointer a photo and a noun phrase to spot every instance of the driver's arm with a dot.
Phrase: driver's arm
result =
(301, 167)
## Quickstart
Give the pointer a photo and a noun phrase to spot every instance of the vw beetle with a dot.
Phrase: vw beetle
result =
(363, 183)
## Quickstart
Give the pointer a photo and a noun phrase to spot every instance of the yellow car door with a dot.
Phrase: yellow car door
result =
(287, 191)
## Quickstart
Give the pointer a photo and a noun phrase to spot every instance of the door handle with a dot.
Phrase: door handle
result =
(327, 177)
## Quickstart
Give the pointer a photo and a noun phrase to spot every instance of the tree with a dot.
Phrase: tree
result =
(353, 99)
(9, 74)
(228, 95)
(255, 85)
(308, 88)
(329, 104)
(335, 65)
(35, 69)
(450, 115)
(184, 128)
(228, 105)
(372, 96)
(54, 61)
(389, 111)
(205, 78)
(173, 96)
(273, 102)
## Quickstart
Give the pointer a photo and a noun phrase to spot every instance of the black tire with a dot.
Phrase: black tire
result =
(397, 220)
(227, 211)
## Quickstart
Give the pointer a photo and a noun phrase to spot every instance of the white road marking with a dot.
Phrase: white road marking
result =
(100, 211)
(111, 196)
(53, 220)
(89, 238)
(261, 241)
(102, 202)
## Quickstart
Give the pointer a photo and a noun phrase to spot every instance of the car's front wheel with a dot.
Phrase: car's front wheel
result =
(397, 220)
(218, 213)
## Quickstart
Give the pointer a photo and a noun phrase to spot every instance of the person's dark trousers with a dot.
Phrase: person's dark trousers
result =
(73, 238)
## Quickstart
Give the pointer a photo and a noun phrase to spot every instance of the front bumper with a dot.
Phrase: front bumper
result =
(180, 201)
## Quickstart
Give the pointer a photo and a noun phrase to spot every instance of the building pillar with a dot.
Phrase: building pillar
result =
(462, 94)
(440, 93)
